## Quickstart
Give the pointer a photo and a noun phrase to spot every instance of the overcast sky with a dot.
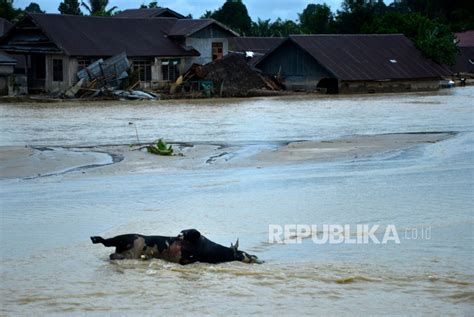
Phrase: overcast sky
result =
(265, 9)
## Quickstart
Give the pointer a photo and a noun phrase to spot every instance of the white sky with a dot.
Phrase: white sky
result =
(264, 9)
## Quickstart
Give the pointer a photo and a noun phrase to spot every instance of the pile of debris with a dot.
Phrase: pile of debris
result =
(230, 76)
(105, 79)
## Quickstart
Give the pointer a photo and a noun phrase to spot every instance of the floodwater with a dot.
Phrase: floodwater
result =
(48, 265)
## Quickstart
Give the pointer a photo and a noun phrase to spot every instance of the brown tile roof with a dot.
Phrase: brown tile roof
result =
(108, 36)
(466, 39)
(149, 13)
(369, 57)
(254, 44)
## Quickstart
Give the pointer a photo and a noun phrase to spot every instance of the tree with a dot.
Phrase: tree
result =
(33, 7)
(234, 14)
(7, 11)
(70, 7)
(354, 15)
(207, 15)
(316, 18)
(432, 38)
(284, 28)
(151, 5)
(261, 28)
(98, 7)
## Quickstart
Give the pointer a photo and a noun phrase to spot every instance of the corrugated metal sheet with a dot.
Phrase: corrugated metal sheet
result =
(369, 57)
(254, 44)
(464, 60)
(466, 39)
(108, 36)
(149, 13)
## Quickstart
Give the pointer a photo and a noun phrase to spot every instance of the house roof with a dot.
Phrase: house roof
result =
(5, 25)
(254, 44)
(464, 60)
(368, 57)
(149, 13)
(108, 36)
(187, 27)
(466, 39)
(7, 60)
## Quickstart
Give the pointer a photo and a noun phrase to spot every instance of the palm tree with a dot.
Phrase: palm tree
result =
(98, 7)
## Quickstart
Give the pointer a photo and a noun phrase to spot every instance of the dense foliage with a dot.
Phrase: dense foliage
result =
(70, 7)
(428, 23)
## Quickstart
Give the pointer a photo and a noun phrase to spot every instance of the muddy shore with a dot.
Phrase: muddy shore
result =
(33, 162)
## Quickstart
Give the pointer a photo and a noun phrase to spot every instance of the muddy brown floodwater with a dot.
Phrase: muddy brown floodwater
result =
(67, 172)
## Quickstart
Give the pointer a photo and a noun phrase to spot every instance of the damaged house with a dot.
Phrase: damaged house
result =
(352, 63)
(55, 47)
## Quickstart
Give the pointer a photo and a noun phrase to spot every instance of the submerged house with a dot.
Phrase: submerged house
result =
(352, 63)
(55, 47)
(465, 58)
(258, 46)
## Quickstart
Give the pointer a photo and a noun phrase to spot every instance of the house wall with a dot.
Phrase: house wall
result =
(298, 68)
(202, 42)
(6, 72)
(389, 86)
(69, 73)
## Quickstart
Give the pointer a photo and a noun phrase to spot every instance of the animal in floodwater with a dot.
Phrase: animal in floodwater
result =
(188, 247)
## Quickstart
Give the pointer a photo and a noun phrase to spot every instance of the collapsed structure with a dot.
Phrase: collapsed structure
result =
(55, 47)
(164, 49)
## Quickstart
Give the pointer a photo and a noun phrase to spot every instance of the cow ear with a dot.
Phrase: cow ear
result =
(236, 246)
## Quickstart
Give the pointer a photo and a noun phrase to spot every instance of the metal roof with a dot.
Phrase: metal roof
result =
(187, 27)
(149, 13)
(466, 39)
(5, 25)
(108, 36)
(368, 56)
(254, 44)
(6, 60)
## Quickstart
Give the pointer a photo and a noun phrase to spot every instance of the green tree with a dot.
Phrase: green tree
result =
(234, 14)
(432, 38)
(70, 7)
(354, 15)
(33, 7)
(284, 28)
(207, 15)
(316, 18)
(7, 11)
(98, 7)
(261, 28)
(151, 5)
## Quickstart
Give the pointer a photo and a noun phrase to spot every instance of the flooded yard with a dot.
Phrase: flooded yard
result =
(67, 172)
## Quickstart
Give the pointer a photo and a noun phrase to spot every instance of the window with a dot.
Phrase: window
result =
(170, 69)
(83, 63)
(217, 50)
(143, 68)
(57, 70)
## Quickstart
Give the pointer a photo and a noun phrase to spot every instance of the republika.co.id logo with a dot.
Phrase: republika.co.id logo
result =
(347, 234)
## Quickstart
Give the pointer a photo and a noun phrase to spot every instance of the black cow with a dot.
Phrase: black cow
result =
(188, 247)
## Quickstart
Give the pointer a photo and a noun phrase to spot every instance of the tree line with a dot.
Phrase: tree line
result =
(428, 23)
